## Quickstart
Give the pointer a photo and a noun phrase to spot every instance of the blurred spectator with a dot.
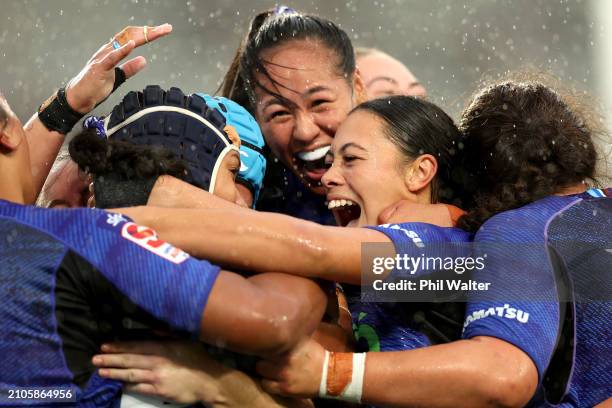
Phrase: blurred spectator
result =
(383, 75)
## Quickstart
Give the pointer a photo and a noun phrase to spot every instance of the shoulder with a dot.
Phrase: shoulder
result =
(524, 223)
(422, 232)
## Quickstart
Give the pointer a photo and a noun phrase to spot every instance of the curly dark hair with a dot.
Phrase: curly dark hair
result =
(127, 161)
(124, 173)
(523, 142)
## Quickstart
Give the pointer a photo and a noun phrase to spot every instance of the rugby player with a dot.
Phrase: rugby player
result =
(53, 257)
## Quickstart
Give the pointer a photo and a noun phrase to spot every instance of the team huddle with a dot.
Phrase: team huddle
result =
(216, 258)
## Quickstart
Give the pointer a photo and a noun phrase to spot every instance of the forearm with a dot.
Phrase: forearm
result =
(44, 146)
(170, 192)
(266, 315)
(463, 373)
(245, 239)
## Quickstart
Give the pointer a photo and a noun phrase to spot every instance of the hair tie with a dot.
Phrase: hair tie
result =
(284, 10)
(97, 123)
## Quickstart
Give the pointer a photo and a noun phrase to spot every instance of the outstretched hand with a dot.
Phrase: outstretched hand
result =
(96, 80)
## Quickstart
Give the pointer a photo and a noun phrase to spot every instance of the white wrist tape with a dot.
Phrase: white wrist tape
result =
(323, 384)
(337, 373)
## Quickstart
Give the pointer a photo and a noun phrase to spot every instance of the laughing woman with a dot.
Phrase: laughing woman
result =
(387, 150)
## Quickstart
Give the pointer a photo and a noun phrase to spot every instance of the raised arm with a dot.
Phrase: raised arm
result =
(85, 91)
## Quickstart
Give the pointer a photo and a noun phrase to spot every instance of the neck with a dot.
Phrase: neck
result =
(10, 186)
(573, 189)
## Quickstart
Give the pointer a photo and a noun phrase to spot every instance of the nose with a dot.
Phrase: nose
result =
(332, 177)
(305, 130)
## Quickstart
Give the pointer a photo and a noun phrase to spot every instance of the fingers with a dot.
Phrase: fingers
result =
(137, 34)
(133, 66)
(125, 361)
(147, 389)
(271, 387)
(113, 57)
(131, 375)
(135, 347)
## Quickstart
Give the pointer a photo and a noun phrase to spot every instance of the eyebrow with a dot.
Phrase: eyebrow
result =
(382, 78)
(235, 155)
(351, 144)
(393, 81)
(308, 92)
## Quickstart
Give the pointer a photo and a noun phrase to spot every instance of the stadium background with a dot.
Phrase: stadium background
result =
(449, 45)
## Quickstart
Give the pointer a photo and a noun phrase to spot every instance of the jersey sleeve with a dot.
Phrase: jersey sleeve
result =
(419, 240)
(521, 305)
(156, 276)
(410, 237)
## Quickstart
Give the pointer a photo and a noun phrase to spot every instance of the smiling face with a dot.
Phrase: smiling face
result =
(316, 98)
(367, 172)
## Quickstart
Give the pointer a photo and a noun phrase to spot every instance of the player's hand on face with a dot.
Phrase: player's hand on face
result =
(295, 374)
(95, 81)
(169, 370)
(409, 211)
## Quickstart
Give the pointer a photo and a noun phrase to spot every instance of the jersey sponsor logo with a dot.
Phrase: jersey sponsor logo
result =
(409, 233)
(147, 238)
(114, 219)
(504, 311)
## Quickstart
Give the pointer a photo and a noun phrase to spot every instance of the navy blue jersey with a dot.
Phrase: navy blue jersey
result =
(284, 193)
(41, 251)
(388, 326)
(551, 298)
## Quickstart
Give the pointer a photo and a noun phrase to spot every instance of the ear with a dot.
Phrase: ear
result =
(9, 141)
(360, 91)
(420, 172)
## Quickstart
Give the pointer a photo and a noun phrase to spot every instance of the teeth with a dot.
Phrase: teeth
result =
(315, 154)
(339, 203)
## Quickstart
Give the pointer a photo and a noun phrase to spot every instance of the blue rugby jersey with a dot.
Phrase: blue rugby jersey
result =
(284, 193)
(45, 257)
(388, 326)
(551, 296)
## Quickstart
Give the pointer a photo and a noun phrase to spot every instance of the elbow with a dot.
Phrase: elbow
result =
(294, 323)
(510, 389)
(284, 334)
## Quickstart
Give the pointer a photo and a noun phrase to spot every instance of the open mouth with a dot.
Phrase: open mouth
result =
(346, 212)
(311, 164)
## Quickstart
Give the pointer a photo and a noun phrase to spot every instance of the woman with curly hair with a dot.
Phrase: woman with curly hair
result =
(531, 155)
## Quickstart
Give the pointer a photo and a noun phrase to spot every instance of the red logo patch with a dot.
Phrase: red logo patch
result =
(148, 239)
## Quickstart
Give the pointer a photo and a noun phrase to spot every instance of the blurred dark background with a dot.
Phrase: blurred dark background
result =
(449, 45)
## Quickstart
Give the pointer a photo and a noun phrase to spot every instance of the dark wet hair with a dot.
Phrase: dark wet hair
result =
(101, 156)
(124, 173)
(523, 142)
(273, 28)
(419, 127)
